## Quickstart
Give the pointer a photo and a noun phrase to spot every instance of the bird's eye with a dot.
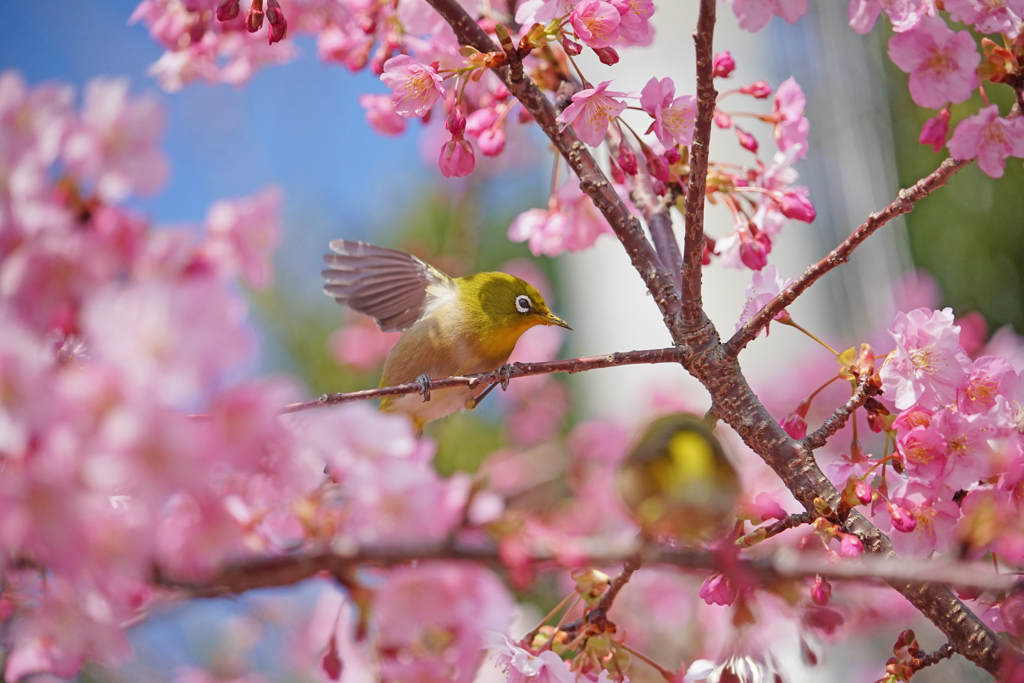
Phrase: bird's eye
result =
(523, 303)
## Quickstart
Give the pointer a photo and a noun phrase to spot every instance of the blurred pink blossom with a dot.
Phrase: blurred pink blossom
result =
(243, 234)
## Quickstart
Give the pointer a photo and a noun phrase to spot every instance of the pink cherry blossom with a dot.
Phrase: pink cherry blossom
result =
(941, 63)
(969, 456)
(989, 378)
(243, 233)
(990, 138)
(673, 116)
(922, 443)
(634, 20)
(174, 340)
(431, 620)
(754, 15)
(592, 110)
(524, 666)
(928, 365)
(415, 88)
(115, 144)
(717, 590)
(904, 14)
(596, 23)
(935, 131)
(532, 12)
(457, 159)
(361, 345)
(928, 527)
(989, 16)
(791, 127)
(571, 223)
(764, 286)
(381, 115)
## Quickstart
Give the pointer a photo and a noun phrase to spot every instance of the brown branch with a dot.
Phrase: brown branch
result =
(841, 254)
(838, 419)
(694, 242)
(921, 660)
(629, 565)
(569, 366)
(656, 215)
(781, 565)
(765, 532)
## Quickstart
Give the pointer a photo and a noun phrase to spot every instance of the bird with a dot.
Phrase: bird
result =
(678, 482)
(451, 326)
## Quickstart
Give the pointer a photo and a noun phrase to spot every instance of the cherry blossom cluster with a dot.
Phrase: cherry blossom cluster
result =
(113, 336)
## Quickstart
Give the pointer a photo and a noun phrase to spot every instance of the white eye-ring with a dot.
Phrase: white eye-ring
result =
(523, 303)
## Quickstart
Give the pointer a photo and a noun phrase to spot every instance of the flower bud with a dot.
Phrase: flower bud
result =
(747, 141)
(254, 17)
(723, 65)
(456, 158)
(850, 545)
(278, 24)
(902, 520)
(659, 188)
(591, 584)
(492, 141)
(863, 492)
(607, 55)
(722, 120)
(617, 175)
(500, 92)
(758, 89)
(627, 160)
(821, 591)
(935, 131)
(672, 156)
(228, 10)
(331, 663)
(796, 206)
(571, 47)
(753, 254)
(456, 123)
(716, 590)
(658, 168)
(795, 426)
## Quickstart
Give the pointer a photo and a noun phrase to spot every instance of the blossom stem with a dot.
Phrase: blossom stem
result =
(553, 612)
(665, 673)
(791, 323)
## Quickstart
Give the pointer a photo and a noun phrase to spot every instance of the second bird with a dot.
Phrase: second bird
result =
(453, 326)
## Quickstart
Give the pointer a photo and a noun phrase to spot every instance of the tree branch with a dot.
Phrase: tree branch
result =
(841, 254)
(838, 419)
(780, 565)
(569, 366)
(694, 242)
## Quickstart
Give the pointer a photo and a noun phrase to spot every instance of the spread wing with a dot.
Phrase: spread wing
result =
(387, 285)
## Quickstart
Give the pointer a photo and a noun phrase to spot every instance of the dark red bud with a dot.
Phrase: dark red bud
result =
(758, 89)
(571, 47)
(278, 24)
(723, 65)
(863, 492)
(821, 591)
(607, 55)
(228, 10)
(722, 120)
(254, 17)
(658, 168)
(617, 175)
(747, 141)
(456, 122)
(627, 160)
(501, 92)
(331, 662)
(672, 156)
(659, 188)
(796, 206)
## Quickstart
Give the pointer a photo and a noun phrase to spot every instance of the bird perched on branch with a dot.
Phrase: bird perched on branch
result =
(678, 482)
(453, 326)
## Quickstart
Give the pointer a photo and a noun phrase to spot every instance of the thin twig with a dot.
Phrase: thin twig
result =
(841, 254)
(765, 532)
(838, 419)
(570, 366)
(630, 565)
(921, 659)
(693, 247)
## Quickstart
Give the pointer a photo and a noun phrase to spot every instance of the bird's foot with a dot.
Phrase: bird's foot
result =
(505, 372)
(424, 382)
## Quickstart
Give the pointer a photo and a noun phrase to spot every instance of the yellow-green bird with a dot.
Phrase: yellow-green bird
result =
(453, 326)
(678, 482)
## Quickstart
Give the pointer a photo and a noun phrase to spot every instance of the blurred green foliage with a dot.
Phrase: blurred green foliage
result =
(969, 235)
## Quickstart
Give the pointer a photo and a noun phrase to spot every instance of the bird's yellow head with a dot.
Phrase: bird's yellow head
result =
(501, 307)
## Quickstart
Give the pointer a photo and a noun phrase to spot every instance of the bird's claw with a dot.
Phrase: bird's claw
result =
(424, 382)
(505, 372)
